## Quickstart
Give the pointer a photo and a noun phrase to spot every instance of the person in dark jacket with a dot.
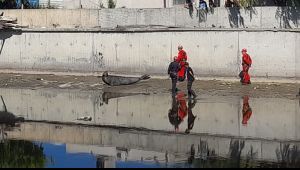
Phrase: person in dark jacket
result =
(191, 79)
(173, 70)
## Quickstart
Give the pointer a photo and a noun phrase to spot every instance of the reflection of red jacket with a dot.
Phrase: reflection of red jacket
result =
(182, 111)
(247, 111)
(247, 60)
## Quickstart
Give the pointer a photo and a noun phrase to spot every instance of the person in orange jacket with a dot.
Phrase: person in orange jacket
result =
(181, 59)
(247, 62)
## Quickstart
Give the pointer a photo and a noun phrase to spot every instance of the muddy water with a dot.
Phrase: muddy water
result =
(156, 130)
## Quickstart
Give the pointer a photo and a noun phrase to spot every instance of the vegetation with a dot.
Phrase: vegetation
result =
(251, 3)
(111, 4)
(248, 3)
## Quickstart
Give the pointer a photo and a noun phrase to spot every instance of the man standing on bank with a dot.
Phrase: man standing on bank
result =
(181, 59)
(190, 79)
(173, 70)
(247, 62)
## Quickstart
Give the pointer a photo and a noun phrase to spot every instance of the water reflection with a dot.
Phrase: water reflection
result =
(138, 129)
(288, 156)
(7, 121)
(216, 115)
(7, 118)
(191, 117)
(247, 110)
(118, 148)
(180, 110)
(106, 96)
(21, 154)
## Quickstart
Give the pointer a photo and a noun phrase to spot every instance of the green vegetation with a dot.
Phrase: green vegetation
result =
(111, 4)
(248, 3)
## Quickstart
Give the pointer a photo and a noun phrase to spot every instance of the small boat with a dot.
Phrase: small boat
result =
(112, 80)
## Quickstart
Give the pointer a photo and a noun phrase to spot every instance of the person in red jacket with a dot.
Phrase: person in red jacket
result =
(247, 111)
(181, 59)
(247, 62)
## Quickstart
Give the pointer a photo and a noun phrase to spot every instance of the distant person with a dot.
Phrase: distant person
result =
(231, 3)
(173, 70)
(212, 4)
(246, 63)
(203, 5)
(190, 6)
(247, 111)
(181, 59)
(280, 2)
(190, 79)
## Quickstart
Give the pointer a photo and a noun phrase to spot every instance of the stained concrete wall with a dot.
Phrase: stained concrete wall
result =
(98, 4)
(259, 17)
(211, 53)
(272, 119)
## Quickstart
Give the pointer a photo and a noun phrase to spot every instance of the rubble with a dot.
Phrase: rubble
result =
(9, 23)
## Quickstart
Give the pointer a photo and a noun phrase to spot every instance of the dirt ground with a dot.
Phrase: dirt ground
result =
(152, 86)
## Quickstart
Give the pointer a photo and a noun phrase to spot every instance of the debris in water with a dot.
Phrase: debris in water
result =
(86, 118)
(65, 85)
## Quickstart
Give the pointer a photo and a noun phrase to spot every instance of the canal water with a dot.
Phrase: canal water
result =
(73, 128)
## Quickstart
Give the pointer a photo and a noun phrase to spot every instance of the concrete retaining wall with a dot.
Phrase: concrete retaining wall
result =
(211, 53)
(259, 17)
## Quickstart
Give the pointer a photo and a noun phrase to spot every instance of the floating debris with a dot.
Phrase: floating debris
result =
(65, 85)
(87, 118)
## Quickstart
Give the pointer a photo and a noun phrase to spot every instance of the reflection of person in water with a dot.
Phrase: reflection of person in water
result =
(7, 118)
(182, 108)
(191, 117)
(178, 111)
(247, 111)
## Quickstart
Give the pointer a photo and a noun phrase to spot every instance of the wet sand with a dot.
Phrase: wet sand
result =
(152, 86)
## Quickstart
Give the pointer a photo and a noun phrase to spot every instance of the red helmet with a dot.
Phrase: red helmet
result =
(244, 50)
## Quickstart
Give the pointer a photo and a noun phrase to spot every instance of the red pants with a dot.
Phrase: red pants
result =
(246, 78)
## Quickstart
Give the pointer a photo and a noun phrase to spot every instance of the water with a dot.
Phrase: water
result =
(149, 130)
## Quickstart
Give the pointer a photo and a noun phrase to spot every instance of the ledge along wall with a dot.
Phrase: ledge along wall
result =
(256, 18)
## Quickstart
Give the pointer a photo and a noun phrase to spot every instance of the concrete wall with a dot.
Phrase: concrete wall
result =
(98, 4)
(272, 119)
(260, 17)
(211, 53)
